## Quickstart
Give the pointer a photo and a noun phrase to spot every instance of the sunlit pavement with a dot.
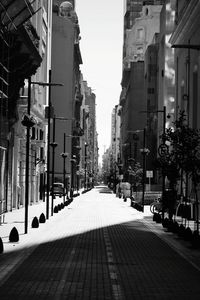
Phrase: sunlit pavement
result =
(98, 247)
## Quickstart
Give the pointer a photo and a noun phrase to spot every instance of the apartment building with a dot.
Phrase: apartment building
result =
(25, 43)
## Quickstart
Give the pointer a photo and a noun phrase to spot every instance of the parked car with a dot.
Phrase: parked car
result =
(58, 189)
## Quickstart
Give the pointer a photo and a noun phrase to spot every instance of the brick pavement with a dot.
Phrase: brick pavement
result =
(100, 248)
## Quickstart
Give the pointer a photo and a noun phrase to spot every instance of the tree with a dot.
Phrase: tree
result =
(136, 175)
(183, 155)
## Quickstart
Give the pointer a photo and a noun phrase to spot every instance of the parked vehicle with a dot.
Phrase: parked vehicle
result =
(58, 189)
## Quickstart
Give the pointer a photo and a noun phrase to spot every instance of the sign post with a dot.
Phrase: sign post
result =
(149, 174)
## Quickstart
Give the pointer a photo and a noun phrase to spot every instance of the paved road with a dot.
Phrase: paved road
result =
(99, 248)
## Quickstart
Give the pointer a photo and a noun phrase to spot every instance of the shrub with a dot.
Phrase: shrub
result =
(35, 223)
(14, 235)
(42, 218)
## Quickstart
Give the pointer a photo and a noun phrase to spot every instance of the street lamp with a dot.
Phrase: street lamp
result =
(28, 122)
(163, 147)
(48, 139)
(73, 161)
(49, 84)
(144, 151)
(85, 179)
(54, 145)
(136, 138)
(64, 156)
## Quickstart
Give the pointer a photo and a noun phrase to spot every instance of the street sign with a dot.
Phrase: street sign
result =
(149, 174)
(163, 149)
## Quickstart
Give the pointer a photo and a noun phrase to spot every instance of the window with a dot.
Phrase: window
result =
(139, 50)
(140, 33)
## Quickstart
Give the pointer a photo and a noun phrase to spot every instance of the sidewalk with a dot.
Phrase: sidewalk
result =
(16, 219)
(98, 248)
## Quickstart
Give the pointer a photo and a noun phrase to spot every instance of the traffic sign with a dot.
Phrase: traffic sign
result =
(149, 174)
(163, 149)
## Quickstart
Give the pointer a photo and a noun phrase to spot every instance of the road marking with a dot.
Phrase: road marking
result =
(116, 287)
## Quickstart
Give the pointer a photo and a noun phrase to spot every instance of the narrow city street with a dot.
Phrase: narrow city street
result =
(98, 248)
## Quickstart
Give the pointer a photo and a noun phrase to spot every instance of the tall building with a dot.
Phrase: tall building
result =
(132, 11)
(133, 97)
(115, 133)
(166, 91)
(66, 100)
(89, 143)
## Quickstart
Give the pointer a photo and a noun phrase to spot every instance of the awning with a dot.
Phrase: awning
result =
(14, 13)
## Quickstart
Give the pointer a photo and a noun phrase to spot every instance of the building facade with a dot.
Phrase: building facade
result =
(24, 43)
(89, 141)
(185, 38)
(66, 100)
(133, 99)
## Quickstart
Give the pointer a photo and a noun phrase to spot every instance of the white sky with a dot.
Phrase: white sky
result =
(101, 31)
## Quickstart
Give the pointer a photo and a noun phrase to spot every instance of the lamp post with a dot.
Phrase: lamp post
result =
(48, 141)
(135, 137)
(64, 156)
(77, 148)
(85, 179)
(28, 121)
(144, 152)
(163, 147)
(49, 84)
(73, 161)
(53, 145)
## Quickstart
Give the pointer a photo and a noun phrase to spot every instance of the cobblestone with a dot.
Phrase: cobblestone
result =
(99, 248)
